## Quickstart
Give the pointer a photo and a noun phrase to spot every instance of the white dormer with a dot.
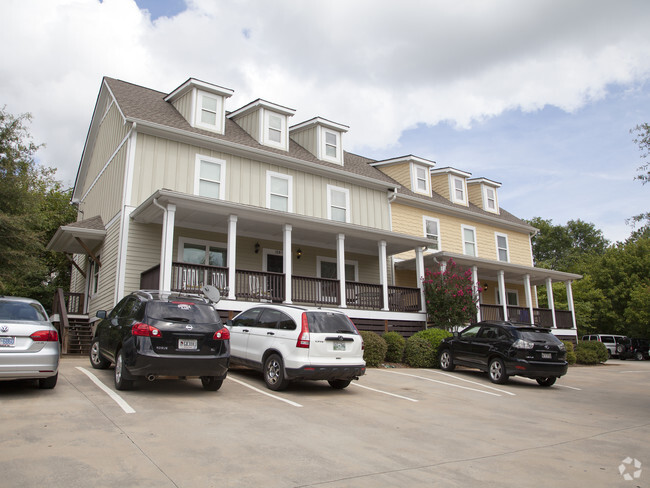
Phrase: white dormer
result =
(266, 122)
(452, 183)
(483, 193)
(418, 171)
(202, 104)
(323, 138)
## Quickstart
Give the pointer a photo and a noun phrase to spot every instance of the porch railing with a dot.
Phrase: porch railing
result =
(319, 291)
(542, 317)
(259, 285)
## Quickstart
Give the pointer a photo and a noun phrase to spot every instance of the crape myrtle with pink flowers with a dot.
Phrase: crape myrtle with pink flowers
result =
(450, 299)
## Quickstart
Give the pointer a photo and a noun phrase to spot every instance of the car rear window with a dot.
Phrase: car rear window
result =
(329, 323)
(181, 311)
(537, 335)
(10, 310)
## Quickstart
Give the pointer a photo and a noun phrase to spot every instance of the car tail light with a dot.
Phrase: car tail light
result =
(145, 330)
(303, 338)
(45, 336)
(221, 335)
(522, 344)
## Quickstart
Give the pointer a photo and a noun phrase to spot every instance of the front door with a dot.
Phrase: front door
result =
(274, 263)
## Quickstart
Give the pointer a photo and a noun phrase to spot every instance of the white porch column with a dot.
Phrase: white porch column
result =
(340, 267)
(287, 261)
(475, 292)
(232, 255)
(383, 276)
(501, 278)
(551, 303)
(167, 244)
(419, 271)
(443, 266)
(529, 298)
(569, 298)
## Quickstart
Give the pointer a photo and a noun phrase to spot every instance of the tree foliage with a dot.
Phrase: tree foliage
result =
(32, 206)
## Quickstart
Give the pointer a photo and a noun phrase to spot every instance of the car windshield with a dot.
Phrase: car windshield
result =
(182, 311)
(329, 323)
(10, 310)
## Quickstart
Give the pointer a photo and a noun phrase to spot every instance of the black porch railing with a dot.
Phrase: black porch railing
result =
(542, 317)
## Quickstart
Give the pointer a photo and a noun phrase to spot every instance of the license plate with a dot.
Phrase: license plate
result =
(339, 346)
(187, 343)
(547, 355)
(7, 341)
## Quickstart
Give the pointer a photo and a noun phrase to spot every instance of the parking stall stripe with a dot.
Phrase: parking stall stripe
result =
(559, 386)
(472, 382)
(443, 383)
(264, 393)
(385, 392)
(116, 398)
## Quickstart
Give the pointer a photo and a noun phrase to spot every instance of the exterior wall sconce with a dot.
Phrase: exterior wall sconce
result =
(298, 253)
(257, 247)
(484, 286)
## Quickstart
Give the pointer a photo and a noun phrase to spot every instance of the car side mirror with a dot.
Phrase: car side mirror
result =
(101, 314)
(229, 323)
(456, 335)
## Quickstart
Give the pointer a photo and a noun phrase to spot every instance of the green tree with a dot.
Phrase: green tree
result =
(32, 206)
(642, 139)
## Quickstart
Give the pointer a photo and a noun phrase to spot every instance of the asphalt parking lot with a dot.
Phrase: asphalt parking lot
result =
(394, 427)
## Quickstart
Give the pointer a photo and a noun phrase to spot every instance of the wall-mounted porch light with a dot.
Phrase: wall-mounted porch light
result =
(298, 253)
(257, 247)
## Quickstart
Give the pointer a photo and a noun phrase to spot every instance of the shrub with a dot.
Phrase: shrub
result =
(419, 353)
(434, 336)
(570, 352)
(396, 344)
(375, 348)
(591, 352)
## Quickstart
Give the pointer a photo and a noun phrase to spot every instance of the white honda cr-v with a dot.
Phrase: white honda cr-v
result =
(289, 343)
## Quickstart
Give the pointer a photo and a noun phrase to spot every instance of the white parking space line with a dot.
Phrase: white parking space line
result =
(637, 371)
(385, 392)
(561, 386)
(443, 383)
(470, 381)
(116, 398)
(263, 392)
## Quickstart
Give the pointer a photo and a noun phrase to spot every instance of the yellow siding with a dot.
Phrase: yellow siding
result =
(475, 195)
(399, 172)
(440, 185)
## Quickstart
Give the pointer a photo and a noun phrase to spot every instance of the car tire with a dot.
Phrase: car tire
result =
(211, 383)
(639, 356)
(274, 373)
(446, 360)
(48, 383)
(121, 383)
(497, 371)
(96, 359)
(549, 381)
(339, 384)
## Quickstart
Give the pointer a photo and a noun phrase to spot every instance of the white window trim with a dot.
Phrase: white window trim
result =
(414, 179)
(452, 189)
(219, 122)
(320, 259)
(462, 236)
(508, 290)
(496, 241)
(284, 140)
(331, 188)
(197, 174)
(339, 146)
(289, 178)
(95, 271)
(486, 189)
(200, 242)
(425, 219)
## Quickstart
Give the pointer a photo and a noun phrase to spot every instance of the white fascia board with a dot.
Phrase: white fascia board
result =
(484, 181)
(259, 103)
(181, 135)
(319, 121)
(450, 170)
(405, 159)
(194, 83)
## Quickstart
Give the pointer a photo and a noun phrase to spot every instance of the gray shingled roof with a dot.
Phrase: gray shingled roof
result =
(145, 104)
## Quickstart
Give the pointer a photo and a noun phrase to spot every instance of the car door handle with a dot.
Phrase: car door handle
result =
(245, 330)
(270, 333)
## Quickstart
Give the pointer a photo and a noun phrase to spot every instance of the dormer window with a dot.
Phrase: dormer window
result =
(458, 190)
(421, 181)
(483, 193)
(490, 199)
(266, 122)
(202, 104)
(322, 138)
(331, 145)
(451, 183)
(274, 129)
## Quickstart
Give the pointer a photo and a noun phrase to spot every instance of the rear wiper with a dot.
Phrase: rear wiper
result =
(344, 331)
(176, 319)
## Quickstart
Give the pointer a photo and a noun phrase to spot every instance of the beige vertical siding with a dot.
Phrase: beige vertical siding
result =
(104, 299)
(184, 106)
(307, 138)
(143, 252)
(440, 184)
(105, 198)
(399, 172)
(251, 124)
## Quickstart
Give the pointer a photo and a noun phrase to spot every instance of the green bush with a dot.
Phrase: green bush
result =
(434, 336)
(570, 352)
(419, 353)
(396, 344)
(375, 348)
(591, 352)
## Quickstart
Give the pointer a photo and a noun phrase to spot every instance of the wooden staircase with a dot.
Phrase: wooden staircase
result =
(73, 325)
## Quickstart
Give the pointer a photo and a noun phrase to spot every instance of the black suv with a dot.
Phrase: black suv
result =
(506, 349)
(150, 334)
(638, 349)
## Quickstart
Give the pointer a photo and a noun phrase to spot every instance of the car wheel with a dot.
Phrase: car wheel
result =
(497, 371)
(120, 382)
(211, 383)
(546, 381)
(339, 384)
(48, 383)
(274, 373)
(96, 359)
(638, 356)
(446, 360)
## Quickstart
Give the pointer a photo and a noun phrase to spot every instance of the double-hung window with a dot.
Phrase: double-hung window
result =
(490, 199)
(279, 191)
(502, 248)
(421, 180)
(432, 232)
(338, 203)
(469, 241)
(275, 130)
(209, 177)
(458, 190)
(209, 112)
(330, 146)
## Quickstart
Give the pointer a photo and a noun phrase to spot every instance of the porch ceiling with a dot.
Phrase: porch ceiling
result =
(209, 214)
(73, 237)
(487, 269)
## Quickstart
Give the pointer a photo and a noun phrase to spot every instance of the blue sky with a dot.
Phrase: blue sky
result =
(538, 95)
